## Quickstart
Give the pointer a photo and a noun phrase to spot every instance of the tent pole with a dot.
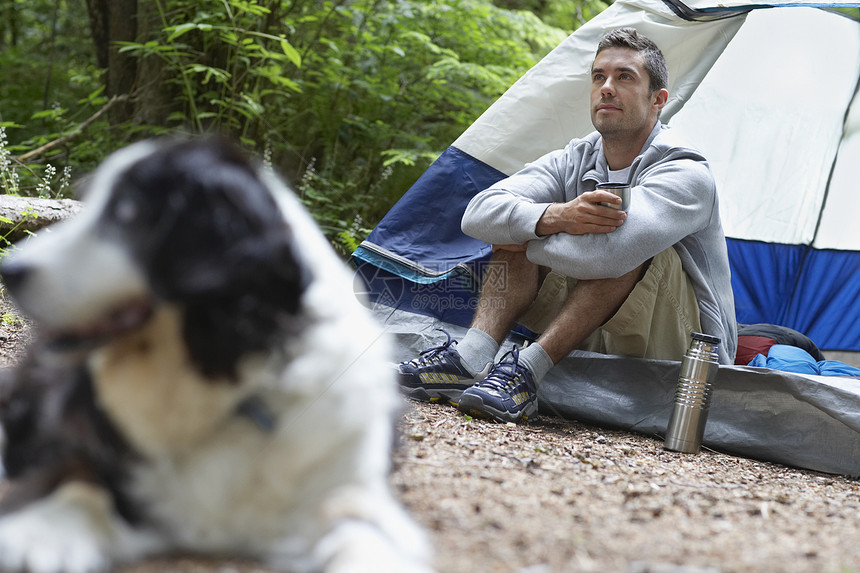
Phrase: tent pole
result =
(835, 160)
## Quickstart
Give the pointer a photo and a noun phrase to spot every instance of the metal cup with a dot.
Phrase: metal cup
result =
(620, 189)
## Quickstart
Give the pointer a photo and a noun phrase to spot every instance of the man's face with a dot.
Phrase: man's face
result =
(621, 102)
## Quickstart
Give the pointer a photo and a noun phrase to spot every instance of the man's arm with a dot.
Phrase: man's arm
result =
(582, 215)
(673, 200)
(534, 203)
(506, 213)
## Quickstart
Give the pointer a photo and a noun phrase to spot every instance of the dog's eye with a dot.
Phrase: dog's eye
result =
(125, 210)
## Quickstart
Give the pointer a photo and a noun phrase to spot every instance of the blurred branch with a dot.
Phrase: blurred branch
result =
(74, 133)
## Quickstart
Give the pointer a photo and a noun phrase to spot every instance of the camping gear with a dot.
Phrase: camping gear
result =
(693, 396)
(768, 92)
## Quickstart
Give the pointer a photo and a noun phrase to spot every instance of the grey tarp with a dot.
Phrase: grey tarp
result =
(810, 422)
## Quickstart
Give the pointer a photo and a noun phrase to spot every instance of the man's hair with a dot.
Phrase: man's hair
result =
(655, 63)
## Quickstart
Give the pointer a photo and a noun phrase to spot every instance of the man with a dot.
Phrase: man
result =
(584, 274)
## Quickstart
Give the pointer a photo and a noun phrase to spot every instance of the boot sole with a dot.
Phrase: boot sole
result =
(475, 407)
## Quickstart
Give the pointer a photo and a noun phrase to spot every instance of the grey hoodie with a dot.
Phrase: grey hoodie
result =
(673, 203)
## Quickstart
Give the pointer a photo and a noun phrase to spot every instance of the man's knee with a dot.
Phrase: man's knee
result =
(511, 269)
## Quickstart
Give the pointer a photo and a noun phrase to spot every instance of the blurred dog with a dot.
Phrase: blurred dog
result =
(205, 381)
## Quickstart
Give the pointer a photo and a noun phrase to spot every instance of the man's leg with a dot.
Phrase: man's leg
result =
(512, 287)
(657, 318)
(589, 304)
(509, 392)
(443, 372)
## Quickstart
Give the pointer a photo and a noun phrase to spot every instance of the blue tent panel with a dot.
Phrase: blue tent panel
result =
(810, 290)
(452, 299)
(824, 305)
(424, 226)
(763, 279)
(417, 259)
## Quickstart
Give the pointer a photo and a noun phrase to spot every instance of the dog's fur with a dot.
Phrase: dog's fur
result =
(205, 381)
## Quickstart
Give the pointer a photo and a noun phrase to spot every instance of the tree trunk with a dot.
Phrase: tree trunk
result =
(114, 21)
(8, 24)
(154, 96)
(98, 11)
(52, 42)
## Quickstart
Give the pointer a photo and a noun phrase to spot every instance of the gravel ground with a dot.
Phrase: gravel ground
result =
(560, 496)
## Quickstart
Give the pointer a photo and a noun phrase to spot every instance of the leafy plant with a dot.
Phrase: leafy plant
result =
(11, 319)
(354, 97)
(8, 175)
(5, 242)
(362, 93)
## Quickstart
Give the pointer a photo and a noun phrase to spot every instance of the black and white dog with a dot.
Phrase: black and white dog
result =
(228, 395)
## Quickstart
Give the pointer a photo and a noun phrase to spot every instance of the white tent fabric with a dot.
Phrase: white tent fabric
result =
(732, 5)
(844, 199)
(774, 124)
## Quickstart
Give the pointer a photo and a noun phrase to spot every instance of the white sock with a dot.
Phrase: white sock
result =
(535, 358)
(477, 349)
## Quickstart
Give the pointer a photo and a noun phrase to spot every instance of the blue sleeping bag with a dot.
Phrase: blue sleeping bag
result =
(792, 359)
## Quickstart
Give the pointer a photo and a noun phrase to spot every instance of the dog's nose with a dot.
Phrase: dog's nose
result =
(13, 275)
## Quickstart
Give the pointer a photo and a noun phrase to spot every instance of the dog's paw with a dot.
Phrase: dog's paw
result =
(371, 534)
(360, 547)
(63, 533)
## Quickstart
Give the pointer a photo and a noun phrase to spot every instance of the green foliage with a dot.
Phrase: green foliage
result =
(851, 12)
(49, 184)
(351, 98)
(48, 71)
(223, 60)
(5, 242)
(368, 92)
(9, 180)
(389, 85)
(567, 14)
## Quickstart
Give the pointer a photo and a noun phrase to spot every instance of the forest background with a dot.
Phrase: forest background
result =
(350, 100)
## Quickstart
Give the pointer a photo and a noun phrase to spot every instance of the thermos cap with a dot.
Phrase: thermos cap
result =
(705, 338)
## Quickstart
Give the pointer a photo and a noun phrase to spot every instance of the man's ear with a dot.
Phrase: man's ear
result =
(659, 98)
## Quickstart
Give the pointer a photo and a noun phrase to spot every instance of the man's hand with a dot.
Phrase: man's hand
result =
(582, 215)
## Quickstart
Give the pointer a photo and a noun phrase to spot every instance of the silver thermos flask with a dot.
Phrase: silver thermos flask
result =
(693, 396)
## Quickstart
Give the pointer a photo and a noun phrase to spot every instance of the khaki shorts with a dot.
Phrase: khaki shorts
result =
(654, 322)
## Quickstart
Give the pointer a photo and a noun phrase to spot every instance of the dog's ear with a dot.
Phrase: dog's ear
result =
(218, 244)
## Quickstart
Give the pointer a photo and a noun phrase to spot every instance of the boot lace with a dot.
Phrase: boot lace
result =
(506, 375)
(433, 355)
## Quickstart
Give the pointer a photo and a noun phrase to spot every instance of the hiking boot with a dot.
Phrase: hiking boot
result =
(507, 394)
(437, 375)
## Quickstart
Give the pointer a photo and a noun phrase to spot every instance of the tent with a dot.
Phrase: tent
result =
(768, 91)
(768, 95)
